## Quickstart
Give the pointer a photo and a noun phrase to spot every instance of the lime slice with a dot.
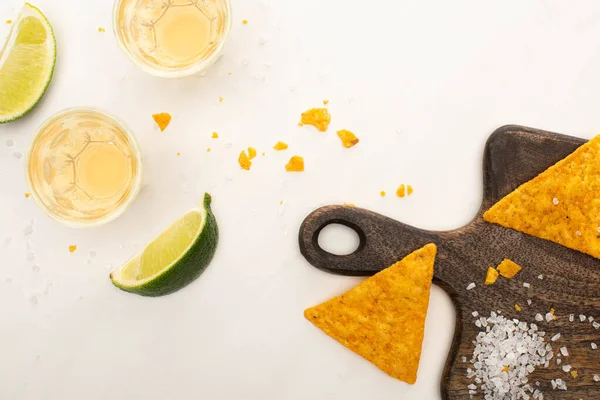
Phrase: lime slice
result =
(26, 64)
(175, 258)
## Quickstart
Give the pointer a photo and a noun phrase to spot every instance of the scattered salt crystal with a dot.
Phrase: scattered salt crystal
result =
(464, 359)
(595, 325)
(558, 384)
(471, 286)
(475, 314)
(571, 317)
(558, 361)
(566, 367)
(555, 201)
(540, 276)
(549, 317)
(10, 143)
(578, 233)
(539, 318)
(581, 317)
(596, 378)
(555, 337)
(564, 351)
(525, 284)
(594, 346)
(528, 302)
(591, 319)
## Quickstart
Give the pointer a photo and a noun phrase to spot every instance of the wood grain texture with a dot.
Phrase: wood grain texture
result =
(571, 284)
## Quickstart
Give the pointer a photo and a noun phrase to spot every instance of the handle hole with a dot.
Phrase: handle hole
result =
(338, 239)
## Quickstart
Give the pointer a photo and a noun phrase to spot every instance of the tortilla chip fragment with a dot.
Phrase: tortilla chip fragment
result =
(508, 268)
(72, 248)
(296, 164)
(491, 277)
(383, 318)
(244, 161)
(401, 192)
(348, 138)
(251, 153)
(162, 120)
(561, 204)
(280, 146)
(215, 135)
(317, 117)
(409, 190)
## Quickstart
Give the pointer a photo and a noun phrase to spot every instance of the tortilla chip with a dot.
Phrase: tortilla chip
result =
(508, 268)
(561, 204)
(383, 318)
(162, 120)
(491, 277)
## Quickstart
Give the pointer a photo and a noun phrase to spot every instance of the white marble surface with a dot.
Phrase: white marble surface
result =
(422, 83)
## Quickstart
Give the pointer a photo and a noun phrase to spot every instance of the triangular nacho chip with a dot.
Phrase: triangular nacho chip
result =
(562, 204)
(383, 318)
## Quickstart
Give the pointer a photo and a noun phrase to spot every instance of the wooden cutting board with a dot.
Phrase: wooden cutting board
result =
(571, 280)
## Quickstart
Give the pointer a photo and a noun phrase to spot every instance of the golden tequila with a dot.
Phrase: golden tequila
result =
(172, 37)
(84, 167)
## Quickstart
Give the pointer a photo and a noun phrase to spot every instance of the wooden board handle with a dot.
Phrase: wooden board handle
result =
(383, 241)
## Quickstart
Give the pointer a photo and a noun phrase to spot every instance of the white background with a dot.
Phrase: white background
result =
(422, 84)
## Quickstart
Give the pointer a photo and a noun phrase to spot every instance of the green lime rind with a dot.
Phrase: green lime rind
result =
(187, 268)
(35, 101)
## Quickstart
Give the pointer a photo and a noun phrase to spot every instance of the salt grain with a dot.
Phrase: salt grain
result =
(528, 302)
(571, 317)
(549, 317)
(581, 317)
(471, 286)
(596, 378)
(475, 314)
(566, 367)
(539, 317)
(594, 346)
(564, 351)
(578, 233)
(555, 337)
(555, 201)
(525, 284)
(591, 319)
(595, 325)
(540, 276)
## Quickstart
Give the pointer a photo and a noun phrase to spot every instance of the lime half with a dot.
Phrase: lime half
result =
(175, 258)
(26, 64)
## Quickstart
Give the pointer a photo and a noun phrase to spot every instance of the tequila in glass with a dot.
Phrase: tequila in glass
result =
(172, 38)
(84, 167)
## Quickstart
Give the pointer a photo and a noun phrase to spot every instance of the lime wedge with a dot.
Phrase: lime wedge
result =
(26, 64)
(175, 258)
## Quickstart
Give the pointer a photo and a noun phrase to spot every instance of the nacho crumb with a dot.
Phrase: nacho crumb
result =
(263, 153)
(401, 192)
(101, 29)
(349, 204)
(508, 269)
(409, 189)
(300, 124)
(382, 193)
(517, 307)
(244, 161)
(9, 21)
(281, 202)
(505, 368)
(162, 120)
(221, 99)
(280, 146)
(178, 154)
(27, 195)
(230, 73)
(296, 164)
(251, 153)
(208, 150)
(492, 276)
(245, 22)
(574, 374)
(317, 117)
(348, 138)
(215, 135)
(325, 102)
(72, 248)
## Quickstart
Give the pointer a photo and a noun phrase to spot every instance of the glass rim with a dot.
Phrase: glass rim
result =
(172, 73)
(137, 180)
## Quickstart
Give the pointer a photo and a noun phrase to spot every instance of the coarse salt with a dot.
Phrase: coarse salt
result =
(594, 346)
(549, 317)
(596, 378)
(539, 317)
(566, 367)
(581, 317)
(555, 337)
(595, 325)
(555, 201)
(525, 284)
(571, 317)
(540, 276)
(564, 351)
(471, 286)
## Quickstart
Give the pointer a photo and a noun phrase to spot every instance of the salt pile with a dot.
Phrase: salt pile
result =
(506, 352)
